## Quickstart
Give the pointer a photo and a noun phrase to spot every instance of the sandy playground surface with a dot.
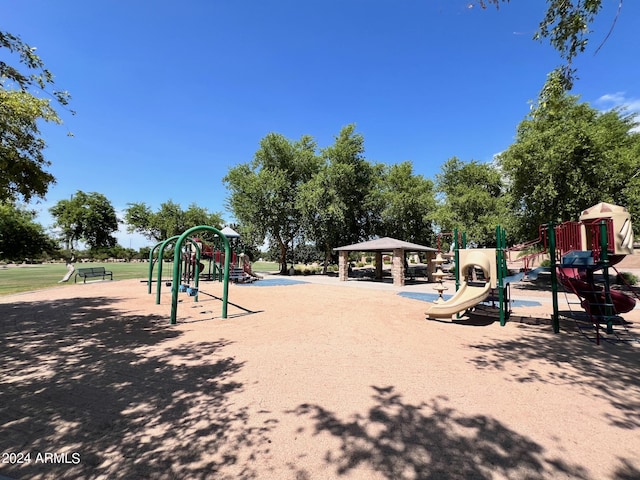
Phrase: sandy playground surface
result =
(315, 380)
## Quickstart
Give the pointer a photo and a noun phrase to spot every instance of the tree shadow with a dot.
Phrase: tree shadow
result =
(81, 376)
(626, 471)
(431, 441)
(608, 371)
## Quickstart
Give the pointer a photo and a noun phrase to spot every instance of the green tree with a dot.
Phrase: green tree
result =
(20, 235)
(337, 202)
(407, 205)
(33, 73)
(264, 192)
(87, 217)
(569, 156)
(168, 221)
(472, 201)
(566, 25)
(23, 166)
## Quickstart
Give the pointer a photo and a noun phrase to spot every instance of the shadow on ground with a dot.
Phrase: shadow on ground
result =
(81, 377)
(609, 371)
(431, 441)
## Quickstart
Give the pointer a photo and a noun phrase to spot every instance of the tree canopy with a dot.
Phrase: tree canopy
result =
(23, 166)
(23, 173)
(336, 202)
(406, 205)
(87, 217)
(568, 156)
(20, 235)
(31, 71)
(472, 200)
(169, 220)
(264, 192)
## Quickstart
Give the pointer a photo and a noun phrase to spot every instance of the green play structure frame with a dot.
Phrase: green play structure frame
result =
(177, 265)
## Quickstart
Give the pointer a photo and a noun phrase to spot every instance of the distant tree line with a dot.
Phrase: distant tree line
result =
(567, 156)
(85, 225)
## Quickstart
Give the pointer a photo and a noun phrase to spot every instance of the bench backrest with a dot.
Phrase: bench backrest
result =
(91, 270)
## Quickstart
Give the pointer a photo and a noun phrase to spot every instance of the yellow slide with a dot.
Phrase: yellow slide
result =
(469, 295)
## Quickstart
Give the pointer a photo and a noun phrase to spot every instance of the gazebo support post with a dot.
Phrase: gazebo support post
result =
(397, 267)
(378, 265)
(343, 266)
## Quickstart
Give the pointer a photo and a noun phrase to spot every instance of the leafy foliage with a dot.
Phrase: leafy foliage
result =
(474, 200)
(567, 157)
(264, 192)
(336, 202)
(23, 166)
(566, 26)
(36, 74)
(406, 205)
(20, 236)
(87, 217)
(22, 163)
(169, 220)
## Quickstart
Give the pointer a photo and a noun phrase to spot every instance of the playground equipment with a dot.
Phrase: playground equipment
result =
(581, 254)
(70, 269)
(438, 275)
(470, 293)
(193, 256)
(600, 240)
(178, 265)
(160, 247)
(187, 266)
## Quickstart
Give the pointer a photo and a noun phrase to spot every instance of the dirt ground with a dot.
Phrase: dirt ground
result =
(313, 380)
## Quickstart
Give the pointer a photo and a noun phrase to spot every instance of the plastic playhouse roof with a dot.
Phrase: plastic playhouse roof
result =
(230, 232)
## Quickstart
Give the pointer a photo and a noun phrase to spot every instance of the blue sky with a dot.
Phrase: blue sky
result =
(169, 95)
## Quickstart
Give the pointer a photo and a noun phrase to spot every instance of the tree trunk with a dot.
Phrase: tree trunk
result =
(283, 256)
(327, 258)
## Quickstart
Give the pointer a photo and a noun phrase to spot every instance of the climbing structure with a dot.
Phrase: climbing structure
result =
(582, 254)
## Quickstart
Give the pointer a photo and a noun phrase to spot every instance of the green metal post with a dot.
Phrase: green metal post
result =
(176, 269)
(456, 257)
(555, 319)
(604, 259)
(151, 266)
(501, 272)
(196, 278)
(163, 245)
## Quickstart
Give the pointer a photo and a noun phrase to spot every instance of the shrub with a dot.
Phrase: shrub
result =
(626, 278)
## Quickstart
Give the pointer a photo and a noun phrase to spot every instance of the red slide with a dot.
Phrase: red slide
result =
(593, 295)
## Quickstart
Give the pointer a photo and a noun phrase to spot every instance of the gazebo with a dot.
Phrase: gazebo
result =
(397, 248)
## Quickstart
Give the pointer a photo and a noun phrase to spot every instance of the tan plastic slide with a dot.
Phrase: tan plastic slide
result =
(466, 297)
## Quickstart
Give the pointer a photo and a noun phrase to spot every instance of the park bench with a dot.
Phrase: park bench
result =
(92, 272)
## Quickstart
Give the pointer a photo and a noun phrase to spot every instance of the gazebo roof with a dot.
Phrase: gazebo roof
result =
(385, 244)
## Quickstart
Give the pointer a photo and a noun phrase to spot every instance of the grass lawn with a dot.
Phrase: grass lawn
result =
(25, 278)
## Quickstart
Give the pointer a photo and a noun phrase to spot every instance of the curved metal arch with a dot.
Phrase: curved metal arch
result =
(176, 268)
